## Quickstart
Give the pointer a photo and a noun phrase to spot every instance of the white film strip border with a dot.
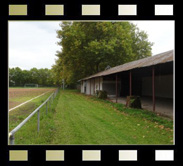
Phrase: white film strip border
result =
(91, 155)
(92, 10)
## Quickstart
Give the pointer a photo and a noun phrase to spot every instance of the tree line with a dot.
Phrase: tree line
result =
(89, 47)
(42, 77)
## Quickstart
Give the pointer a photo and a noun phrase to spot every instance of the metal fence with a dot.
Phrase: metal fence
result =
(37, 110)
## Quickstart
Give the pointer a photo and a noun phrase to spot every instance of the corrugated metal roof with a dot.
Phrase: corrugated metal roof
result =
(149, 61)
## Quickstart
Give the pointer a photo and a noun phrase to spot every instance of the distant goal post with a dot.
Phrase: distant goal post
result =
(31, 85)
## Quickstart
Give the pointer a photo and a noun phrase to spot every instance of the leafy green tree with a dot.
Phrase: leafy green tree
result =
(89, 47)
(19, 77)
(15, 76)
(34, 76)
(11, 77)
(25, 76)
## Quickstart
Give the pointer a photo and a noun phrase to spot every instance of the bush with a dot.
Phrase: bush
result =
(133, 102)
(97, 92)
(101, 94)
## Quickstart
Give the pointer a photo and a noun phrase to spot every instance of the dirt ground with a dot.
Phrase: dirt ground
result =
(20, 95)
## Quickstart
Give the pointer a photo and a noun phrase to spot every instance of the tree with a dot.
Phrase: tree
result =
(15, 76)
(11, 77)
(19, 77)
(34, 76)
(89, 47)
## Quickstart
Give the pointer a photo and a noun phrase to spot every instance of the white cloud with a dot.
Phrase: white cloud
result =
(28, 60)
(32, 44)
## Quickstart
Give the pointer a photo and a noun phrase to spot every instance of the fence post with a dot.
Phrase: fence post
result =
(12, 139)
(37, 110)
(46, 107)
(38, 121)
(49, 102)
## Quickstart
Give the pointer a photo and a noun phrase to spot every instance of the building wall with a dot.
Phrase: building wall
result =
(87, 87)
(97, 81)
(94, 85)
(83, 84)
(163, 86)
(81, 87)
(110, 87)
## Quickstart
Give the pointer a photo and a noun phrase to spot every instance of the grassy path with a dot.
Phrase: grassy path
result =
(80, 120)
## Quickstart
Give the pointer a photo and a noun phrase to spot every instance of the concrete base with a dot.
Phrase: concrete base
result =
(163, 106)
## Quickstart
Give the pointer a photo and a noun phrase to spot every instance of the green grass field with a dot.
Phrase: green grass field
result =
(19, 114)
(78, 119)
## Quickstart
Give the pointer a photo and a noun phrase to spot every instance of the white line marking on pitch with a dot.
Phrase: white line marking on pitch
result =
(27, 101)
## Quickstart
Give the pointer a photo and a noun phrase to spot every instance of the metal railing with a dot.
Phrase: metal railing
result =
(37, 110)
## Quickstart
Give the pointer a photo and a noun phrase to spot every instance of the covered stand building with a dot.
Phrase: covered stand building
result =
(150, 78)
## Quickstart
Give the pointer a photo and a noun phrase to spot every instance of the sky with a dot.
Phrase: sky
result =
(34, 43)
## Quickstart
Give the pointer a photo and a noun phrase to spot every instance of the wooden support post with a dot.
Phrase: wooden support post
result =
(99, 83)
(153, 88)
(94, 87)
(81, 86)
(121, 87)
(90, 86)
(130, 82)
(116, 88)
